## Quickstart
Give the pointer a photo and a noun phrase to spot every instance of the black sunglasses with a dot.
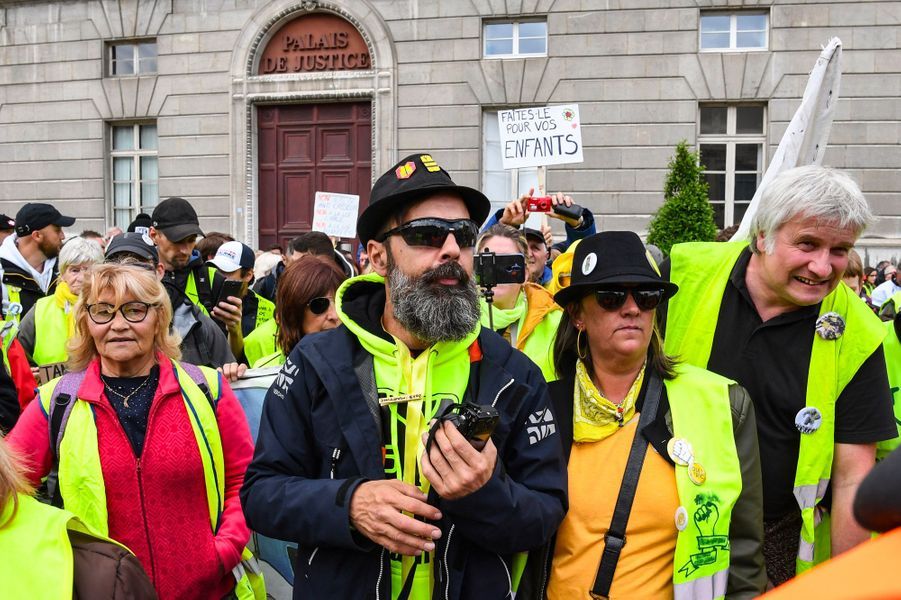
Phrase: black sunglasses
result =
(319, 305)
(433, 232)
(645, 299)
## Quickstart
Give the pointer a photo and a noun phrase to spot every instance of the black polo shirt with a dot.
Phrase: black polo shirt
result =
(771, 360)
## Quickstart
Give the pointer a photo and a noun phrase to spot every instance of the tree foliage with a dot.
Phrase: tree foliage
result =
(686, 214)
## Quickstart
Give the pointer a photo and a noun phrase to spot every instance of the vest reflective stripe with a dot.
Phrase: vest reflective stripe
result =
(892, 348)
(702, 271)
(713, 586)
(50, 332)
(701, 563)
(809, 495)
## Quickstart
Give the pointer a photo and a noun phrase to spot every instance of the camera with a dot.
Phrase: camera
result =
(497, 269)
(540, 204)
(475, 422)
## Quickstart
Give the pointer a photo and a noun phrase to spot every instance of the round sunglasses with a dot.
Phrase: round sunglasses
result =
(319, 305)
(614, 298)
(433, 232)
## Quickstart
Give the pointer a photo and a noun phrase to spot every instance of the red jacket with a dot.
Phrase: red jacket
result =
(157, 503)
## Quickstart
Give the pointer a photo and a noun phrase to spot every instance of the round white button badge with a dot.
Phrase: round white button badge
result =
(590, 262)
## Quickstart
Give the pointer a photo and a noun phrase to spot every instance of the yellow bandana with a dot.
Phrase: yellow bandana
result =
(66, 300)
(594, 416)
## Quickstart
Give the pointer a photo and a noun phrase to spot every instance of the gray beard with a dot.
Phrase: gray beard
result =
(433, 312)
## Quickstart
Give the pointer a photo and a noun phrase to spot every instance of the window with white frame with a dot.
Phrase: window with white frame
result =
(134, 173)
(732, 143)
(131, 58)
(512, 39)
(740, 31)
(500, 185)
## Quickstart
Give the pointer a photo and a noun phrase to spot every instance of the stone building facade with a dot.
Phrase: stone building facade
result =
(107, 106)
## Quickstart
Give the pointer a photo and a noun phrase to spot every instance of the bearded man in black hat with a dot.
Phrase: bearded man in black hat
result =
(340, 465)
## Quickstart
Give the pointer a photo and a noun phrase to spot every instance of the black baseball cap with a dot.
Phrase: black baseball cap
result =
(611, 257)
(7, 223)
(135, 243)
(176, 219)
(415, 177)
(534, 234)
(36, 215)
(141, 224)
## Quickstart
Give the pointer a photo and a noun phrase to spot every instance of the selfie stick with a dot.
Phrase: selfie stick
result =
(487, 283)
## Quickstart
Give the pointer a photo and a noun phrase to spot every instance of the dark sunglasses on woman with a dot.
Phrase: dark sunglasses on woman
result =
(319, 305)
(432, 232)
(614, 298)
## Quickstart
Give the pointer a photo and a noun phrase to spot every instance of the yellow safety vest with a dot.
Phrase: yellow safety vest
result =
(8, 331)
(265, 309)
(702, 269)
(701, 565)
(50, 332)
(37, 558)
(261, 342)
(81, 477)
(892, 348)
(14, 296)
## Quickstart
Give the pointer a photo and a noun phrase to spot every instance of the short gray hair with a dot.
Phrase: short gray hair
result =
(812, 191)
(79, 251)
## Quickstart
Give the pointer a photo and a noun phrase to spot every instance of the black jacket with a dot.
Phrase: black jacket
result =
(747, 576)
(319, 440)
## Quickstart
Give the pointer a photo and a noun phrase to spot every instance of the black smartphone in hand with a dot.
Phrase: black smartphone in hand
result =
(230, 287)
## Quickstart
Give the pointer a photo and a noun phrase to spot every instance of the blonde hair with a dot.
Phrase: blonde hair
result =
(12, 480)
(130, 283)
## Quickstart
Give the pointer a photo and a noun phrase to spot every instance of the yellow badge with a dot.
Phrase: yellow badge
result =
(405, 170)
(429, 163)
(696, 473)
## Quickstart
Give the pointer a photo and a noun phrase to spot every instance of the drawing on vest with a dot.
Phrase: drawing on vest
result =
(706, 517)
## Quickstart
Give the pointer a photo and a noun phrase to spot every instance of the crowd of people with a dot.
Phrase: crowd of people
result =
(603, 422)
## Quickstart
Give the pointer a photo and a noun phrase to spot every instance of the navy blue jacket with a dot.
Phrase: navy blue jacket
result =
(296, 490)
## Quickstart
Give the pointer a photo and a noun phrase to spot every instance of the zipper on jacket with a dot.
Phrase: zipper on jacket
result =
(144, 517)
(336, 455)
(544, 565)
(507, 573)
(378, 582)
(450, 535)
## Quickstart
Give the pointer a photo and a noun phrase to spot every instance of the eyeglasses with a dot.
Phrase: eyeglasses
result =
(319, 305)
(134, 312)
(645, 299)
(433, 232)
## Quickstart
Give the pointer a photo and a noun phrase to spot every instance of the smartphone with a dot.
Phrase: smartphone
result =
(539, 204)
(497, 269)
(230, 287)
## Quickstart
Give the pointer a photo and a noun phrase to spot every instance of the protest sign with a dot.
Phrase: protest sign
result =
(51, 371)
(532, 137)
(336, 214)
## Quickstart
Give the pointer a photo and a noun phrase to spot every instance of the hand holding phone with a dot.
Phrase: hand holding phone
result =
(230, 287)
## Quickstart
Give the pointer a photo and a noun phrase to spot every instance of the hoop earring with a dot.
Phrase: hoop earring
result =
(579, 352)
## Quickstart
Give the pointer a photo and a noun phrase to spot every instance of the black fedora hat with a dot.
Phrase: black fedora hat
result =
(609, 258)
(415, 177)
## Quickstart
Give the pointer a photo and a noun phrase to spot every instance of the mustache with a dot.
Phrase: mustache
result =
(448, 270)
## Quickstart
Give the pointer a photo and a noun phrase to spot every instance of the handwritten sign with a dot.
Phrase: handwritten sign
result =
(533, 137)
(336, 214)
(51, 371)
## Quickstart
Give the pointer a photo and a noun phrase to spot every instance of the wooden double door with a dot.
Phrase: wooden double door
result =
(305, 148)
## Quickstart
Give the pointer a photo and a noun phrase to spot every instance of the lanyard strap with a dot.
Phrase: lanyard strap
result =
(616, 533)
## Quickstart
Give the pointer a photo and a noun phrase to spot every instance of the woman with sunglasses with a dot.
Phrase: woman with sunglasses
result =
(660, 454)
(150, 451)
(304, 304)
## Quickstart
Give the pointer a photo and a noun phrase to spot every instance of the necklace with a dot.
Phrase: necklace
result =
(124, 398)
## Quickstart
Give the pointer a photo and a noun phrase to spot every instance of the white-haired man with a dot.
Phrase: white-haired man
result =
(773, 316)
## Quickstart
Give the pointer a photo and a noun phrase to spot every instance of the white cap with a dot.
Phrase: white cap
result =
(232, 256)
